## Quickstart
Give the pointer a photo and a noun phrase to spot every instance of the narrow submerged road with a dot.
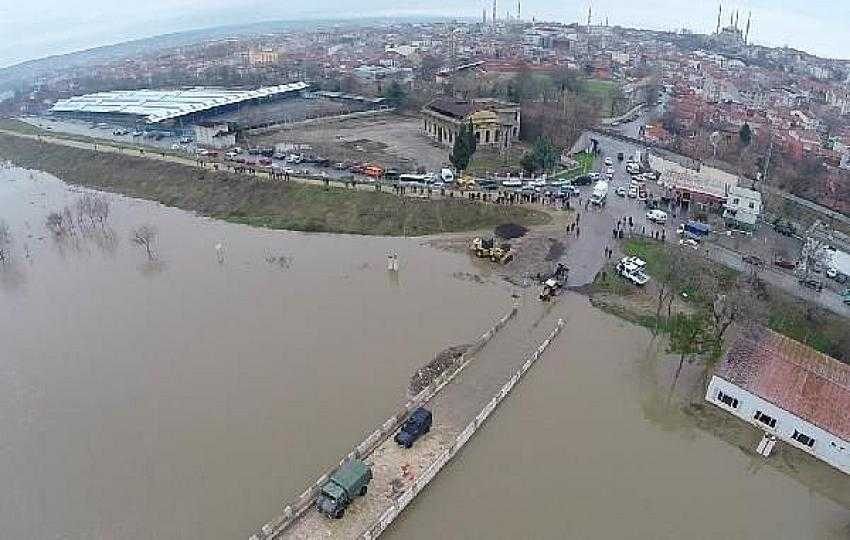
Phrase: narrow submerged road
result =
(395, 468)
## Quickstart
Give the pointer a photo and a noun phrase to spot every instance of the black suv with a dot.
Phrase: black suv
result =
(417, 425)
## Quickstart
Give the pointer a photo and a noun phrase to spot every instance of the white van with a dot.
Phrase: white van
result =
(447, 176)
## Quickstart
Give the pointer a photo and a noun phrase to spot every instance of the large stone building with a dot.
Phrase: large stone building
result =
(496, 123)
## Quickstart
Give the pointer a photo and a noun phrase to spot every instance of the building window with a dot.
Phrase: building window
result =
(497, 135)
(727, 399)
(478, 136)
(765, 419)
(516, 132)
(805, 440)
(487, 136)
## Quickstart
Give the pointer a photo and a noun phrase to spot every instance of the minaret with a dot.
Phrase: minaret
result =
(736, 19)
(589, 13)
(719, 14)
(493, 19)
(518, 10)
(747, 33)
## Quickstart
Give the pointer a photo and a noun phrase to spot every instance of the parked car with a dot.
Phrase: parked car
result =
(417, 425)
(620, 156)
(845, 296)
(689, 242)
(633, 192)
(571, 191)
(609, 161)
(753, 260)
(633, 273)
(621, 191)
(658, 216)
(584, 180)
(812, 283)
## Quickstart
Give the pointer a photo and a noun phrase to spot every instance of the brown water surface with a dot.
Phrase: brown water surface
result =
(186, 398)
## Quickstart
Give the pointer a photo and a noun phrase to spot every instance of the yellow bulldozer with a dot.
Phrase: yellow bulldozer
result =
(487, 249)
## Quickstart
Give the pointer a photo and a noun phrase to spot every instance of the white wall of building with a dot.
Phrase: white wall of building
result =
(827, 447)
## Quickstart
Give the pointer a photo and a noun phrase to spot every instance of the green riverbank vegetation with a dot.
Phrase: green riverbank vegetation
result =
(259, 201)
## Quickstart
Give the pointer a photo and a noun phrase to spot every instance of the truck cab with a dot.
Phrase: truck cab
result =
(349, 481)
(417, 425)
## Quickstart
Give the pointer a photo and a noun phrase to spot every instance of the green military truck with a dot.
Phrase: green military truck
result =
(349, 481)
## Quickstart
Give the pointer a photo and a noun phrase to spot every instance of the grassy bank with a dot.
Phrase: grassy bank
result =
(805, 322)
(260, 202)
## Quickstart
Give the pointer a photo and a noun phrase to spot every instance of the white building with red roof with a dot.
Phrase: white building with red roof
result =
(788, 390)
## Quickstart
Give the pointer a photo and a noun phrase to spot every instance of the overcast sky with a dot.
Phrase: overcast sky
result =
(37, 28)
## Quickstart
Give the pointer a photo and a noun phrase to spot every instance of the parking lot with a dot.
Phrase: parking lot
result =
(390, 140)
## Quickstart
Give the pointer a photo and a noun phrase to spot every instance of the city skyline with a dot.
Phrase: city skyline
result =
(815, 26)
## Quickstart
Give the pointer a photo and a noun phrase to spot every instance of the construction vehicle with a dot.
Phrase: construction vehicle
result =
(466, 182)
(549, 289)
(349, 481)
(502, 254)
(487, 249)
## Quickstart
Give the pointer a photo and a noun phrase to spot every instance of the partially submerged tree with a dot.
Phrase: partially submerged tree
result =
(688, 334)
(5, 242)
(144, 235)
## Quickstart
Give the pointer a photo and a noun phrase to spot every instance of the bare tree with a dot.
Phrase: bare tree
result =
(815, 255)
(668, 281)
(5, 242)
(145, 236)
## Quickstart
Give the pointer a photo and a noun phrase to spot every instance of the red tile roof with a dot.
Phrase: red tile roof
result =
(792, 376)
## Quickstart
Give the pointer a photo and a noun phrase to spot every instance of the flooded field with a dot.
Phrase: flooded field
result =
(186, 396)
(593, 444)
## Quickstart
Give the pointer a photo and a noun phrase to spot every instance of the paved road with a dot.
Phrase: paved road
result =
(585, 253)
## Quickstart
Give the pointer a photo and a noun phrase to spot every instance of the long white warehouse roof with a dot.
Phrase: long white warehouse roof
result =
(158, 105)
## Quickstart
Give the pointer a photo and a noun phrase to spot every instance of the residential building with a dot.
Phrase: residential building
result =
(495, 123)
(743, 207)
(788, 390)
(265, 56)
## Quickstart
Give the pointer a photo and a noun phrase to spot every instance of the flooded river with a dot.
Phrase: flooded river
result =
(186, 397)
(592, 445)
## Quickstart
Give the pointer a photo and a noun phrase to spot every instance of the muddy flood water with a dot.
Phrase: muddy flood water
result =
(186, 397)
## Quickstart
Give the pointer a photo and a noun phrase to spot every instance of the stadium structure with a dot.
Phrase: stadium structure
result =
(167, 107)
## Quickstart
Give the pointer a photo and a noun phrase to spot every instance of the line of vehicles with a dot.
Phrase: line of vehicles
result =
(352, 479)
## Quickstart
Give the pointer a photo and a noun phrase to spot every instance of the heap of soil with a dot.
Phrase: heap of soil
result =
(444, 361)
(508, 231)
